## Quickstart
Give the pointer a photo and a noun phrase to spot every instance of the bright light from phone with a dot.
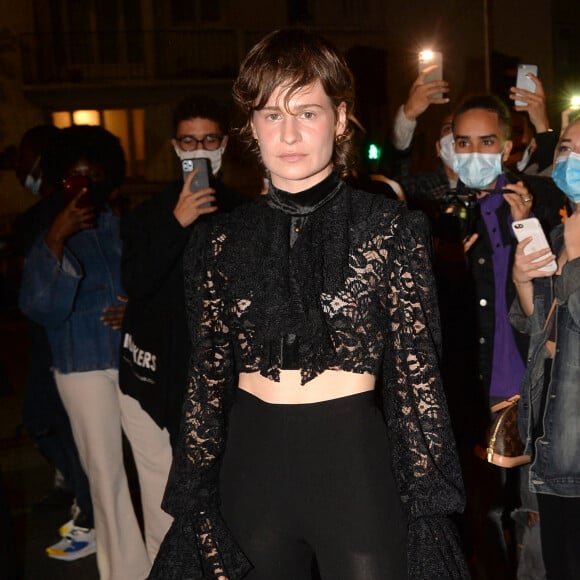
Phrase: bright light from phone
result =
(575, 102)
(426, 55)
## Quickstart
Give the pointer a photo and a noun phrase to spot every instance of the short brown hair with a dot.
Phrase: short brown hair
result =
(295, 58)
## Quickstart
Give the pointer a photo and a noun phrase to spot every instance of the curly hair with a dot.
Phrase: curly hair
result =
(90, 142)
(295, 58)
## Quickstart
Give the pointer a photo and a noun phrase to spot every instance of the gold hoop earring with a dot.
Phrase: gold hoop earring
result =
(339, 139)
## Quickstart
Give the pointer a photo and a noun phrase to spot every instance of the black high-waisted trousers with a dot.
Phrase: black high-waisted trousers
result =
(313, 482)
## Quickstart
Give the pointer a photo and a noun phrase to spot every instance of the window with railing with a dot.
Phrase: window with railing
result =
(127, 124)
(93, 32)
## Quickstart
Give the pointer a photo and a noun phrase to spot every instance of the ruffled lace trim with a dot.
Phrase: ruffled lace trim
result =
(434, 550)
(199, 549)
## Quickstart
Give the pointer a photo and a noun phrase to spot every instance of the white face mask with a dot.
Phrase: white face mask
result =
(526, 156)
(447, 150)
(215, 157)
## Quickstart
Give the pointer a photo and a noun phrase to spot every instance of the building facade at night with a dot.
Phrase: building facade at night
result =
(125, 63)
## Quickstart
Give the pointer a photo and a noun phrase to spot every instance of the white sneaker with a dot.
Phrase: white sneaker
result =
(78, 543)
(66, 528)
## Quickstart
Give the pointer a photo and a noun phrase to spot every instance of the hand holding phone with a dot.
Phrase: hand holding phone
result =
(74, 217)
(524, 82)
(530, 227)
(75, 184)
(429, 58)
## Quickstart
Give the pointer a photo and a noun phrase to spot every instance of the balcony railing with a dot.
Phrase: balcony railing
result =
(110, 56)
(148, 55)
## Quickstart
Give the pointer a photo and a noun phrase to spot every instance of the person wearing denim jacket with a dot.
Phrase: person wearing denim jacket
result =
(72, 286)
(549, 408)
(554, 469)
(68, 297)
(546, 473)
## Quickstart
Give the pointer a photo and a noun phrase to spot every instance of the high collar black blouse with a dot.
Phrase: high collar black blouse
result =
(355, 287)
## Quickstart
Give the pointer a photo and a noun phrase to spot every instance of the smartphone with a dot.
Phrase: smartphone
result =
(531, 227)
(523, 82)
(71, 187)
(427, 58)
(202, 179)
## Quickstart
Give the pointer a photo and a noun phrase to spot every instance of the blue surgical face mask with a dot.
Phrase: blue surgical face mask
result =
(566, 175)
(478, 170)
(33, 183)
(33, 180)
(447, 150)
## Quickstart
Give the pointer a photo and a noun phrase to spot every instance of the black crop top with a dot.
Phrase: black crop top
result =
(354, 286)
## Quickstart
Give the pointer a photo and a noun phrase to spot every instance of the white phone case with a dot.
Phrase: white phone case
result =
(531, 227)
(523, 82)
(427, 58)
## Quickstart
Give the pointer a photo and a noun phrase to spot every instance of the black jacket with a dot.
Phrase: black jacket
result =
(467, 302)
(155, 343)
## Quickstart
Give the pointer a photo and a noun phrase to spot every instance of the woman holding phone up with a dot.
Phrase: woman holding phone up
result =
(315, 426)
(548, 308)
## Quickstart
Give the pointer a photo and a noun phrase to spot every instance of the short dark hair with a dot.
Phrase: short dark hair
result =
(90, 142)
(203, 107)
(295, 58)
(491, 103)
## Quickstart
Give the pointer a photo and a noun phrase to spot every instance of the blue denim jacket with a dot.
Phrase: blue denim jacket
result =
(552, 438)
(68, 297)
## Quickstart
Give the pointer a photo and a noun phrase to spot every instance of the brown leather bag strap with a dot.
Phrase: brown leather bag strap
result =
(550, 313)
(550, 343)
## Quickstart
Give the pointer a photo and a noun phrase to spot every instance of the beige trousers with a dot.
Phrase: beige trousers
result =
(98, 413)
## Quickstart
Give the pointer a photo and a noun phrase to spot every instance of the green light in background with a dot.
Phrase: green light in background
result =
(374, 152)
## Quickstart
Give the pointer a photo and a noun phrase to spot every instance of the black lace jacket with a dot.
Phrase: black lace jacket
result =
(353, 282)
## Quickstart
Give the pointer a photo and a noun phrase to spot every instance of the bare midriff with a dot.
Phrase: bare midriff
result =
(326, 386)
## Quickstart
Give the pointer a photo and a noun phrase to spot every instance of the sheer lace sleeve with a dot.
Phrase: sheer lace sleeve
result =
(199, 545)
(425, 460)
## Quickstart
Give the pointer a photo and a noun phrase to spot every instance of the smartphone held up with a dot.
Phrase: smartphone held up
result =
(202, 179)
(523, 81)
(428, 58)
(75, 184)
(531, 228)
